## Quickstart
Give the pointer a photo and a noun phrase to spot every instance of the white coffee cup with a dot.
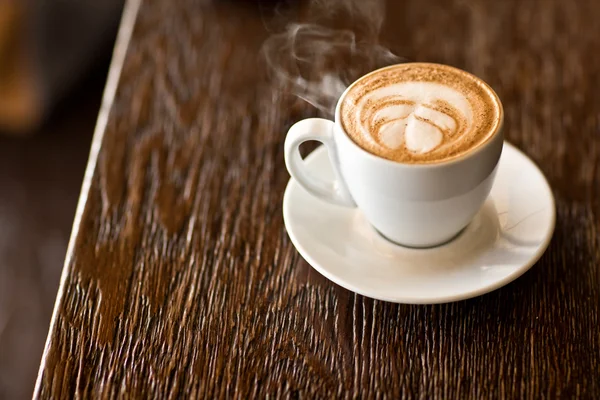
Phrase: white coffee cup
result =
(416, 205)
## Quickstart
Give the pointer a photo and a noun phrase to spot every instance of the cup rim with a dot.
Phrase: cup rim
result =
(498, 128)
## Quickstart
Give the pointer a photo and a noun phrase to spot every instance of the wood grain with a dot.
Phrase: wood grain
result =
(181, 281)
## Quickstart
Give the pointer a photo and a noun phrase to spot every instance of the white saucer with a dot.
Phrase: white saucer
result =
(508, 235)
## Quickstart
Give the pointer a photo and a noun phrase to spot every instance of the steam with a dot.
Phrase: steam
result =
(318, 59)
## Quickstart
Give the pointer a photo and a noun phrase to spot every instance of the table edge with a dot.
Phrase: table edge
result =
(125, 32)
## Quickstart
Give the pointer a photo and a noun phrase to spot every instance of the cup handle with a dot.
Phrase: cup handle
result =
(321, 130)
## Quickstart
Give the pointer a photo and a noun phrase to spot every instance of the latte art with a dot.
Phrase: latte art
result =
(419, 115)
(418, 112)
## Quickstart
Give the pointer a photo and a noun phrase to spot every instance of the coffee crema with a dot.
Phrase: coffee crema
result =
(420, 113)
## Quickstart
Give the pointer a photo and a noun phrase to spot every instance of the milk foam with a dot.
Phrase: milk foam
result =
(420, 112)
(422, 116)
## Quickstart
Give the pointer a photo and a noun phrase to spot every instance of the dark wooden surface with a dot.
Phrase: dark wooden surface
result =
(181, 281)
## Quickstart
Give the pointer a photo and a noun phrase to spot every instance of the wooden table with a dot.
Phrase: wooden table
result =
(180, 279)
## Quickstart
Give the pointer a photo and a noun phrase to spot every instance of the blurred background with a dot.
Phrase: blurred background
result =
(54, 57)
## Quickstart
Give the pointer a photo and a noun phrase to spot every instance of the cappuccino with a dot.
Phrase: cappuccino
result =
(420, 113)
